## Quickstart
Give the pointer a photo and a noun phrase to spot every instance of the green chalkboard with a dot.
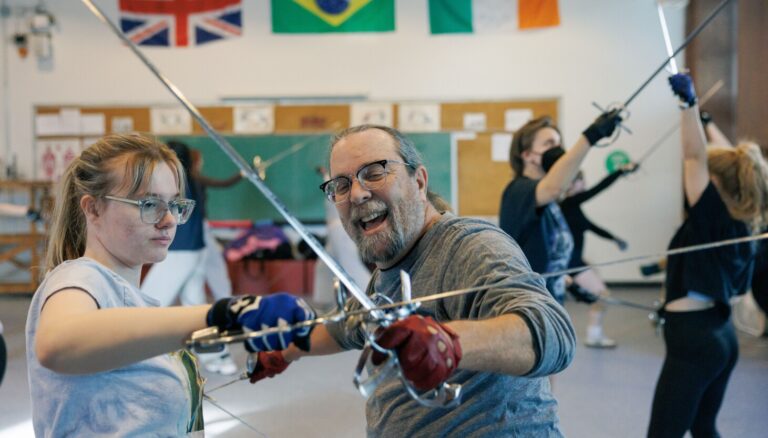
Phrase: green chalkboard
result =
(293, 178)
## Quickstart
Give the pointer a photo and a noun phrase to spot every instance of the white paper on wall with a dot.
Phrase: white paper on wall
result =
(419, 117)
(166, 120)
(54, 155)
(92, 124)
(254, 119)
(500, 144)
(515, 118)
(47, 124)
(371, 113)
(122, 124)
(69, 121)
(475, 121)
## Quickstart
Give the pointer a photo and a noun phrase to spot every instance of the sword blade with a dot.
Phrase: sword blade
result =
(667, 41)
(682, 46)
(339, 316)
(333, 265)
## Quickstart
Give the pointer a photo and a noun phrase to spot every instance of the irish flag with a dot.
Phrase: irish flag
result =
(322, 16)
(478, 16)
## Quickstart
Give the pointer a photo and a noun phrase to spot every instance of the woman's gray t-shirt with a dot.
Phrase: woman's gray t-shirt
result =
(147, 398)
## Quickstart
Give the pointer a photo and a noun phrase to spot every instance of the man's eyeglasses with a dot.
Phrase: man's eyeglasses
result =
(152, 209)
(371, 176)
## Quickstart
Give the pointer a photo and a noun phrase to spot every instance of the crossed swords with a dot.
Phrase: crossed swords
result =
(371, 315)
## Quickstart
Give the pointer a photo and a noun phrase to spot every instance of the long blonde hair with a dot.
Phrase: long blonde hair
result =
(94, 173)
(742, 177)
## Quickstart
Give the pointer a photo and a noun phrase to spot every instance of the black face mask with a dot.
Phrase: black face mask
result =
(549, 157)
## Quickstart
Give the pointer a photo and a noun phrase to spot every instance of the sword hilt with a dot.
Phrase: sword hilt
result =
(368, 376)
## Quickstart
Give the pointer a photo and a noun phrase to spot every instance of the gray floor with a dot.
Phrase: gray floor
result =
(604, 393)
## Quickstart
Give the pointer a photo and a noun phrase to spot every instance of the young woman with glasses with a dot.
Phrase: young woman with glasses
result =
(103, 358)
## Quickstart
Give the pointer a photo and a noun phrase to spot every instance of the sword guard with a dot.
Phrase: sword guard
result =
(623, 112)
(197, 342)
(445, 396)
(369, 376)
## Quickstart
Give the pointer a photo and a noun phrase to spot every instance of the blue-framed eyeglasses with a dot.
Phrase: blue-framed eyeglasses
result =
(152, 209)
(371, 176)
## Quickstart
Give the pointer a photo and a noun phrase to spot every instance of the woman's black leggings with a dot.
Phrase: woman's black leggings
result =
(702, 350)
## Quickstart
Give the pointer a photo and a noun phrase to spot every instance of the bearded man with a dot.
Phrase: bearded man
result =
(499, 343)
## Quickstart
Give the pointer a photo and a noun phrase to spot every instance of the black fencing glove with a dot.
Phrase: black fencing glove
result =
(603, 126)
(582, 295)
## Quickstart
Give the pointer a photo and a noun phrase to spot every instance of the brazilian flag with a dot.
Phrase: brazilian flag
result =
(323, 16)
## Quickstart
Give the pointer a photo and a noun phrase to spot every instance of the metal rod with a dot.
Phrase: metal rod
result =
(228, 412)
(335, 317)
(687, 41)
(667, 41)
(333, 265)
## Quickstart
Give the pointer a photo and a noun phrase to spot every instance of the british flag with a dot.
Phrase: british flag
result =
(179, 22)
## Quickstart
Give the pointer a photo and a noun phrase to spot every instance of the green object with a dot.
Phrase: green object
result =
(294, 179)
(616, 159)
(450, 16)
(307, 16)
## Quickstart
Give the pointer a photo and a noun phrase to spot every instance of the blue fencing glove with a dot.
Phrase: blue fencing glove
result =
(253, 313)
(682, 86)
(603, 126)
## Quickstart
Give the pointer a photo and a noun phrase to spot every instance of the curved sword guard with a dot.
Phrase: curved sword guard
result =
(623, 112)
(340, 292)
(446, 396)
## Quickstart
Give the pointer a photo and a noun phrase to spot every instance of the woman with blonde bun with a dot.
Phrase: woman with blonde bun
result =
(726, 194)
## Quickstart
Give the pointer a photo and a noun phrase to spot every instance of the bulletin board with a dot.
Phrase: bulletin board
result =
(478, 178)
(453, 115)
(481, 179)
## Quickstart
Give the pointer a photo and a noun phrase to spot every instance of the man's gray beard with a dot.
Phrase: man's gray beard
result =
(394, 240)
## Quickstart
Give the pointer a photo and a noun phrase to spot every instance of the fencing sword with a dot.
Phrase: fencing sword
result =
(387, 369)
(672, 68)
(261, 166)
(334, 266)
(444, 393)
(622, 107)
(218, 405)
(682, 46)
(341, 315)
(667, 41)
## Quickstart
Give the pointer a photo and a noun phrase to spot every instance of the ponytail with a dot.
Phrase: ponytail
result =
(742, 174)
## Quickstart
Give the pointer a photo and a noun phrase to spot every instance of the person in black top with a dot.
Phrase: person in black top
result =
(726, 194)
(760, 274)
(579, 224)
(529, 211)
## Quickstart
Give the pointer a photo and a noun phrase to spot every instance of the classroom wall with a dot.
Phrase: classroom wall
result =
(603, 50)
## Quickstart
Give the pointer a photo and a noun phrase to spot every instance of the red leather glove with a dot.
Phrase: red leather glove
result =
(268, 364)
(429, 352)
